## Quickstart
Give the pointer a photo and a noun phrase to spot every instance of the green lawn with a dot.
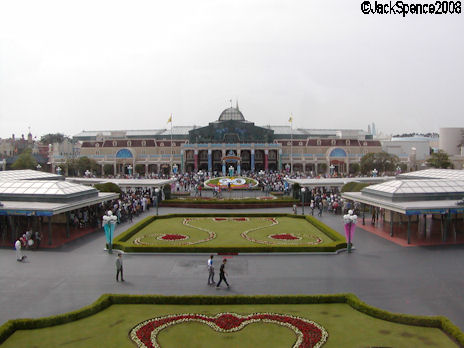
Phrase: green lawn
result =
(230, 232)
(346, 328)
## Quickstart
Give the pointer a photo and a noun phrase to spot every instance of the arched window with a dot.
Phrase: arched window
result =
(337, 153)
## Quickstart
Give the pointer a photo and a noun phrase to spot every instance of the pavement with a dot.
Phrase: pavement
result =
(419, 280)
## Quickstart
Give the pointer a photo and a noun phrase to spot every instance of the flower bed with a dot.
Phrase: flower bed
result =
(309, 334)
(172, 237)
(50, 326)
(284, 236)
(230, 233)
(236, 182)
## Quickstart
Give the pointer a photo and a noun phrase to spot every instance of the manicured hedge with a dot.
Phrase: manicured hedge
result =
(354, 186)
(105, 301)
(120, 242)
(230, 201)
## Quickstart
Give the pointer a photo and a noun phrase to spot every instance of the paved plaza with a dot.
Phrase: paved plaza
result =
(414, 280)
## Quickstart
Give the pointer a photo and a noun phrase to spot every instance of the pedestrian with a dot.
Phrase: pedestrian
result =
(119, 267)
(211, 271)
(38, 238)
(222, 274)
(19, 254)
(320, 209)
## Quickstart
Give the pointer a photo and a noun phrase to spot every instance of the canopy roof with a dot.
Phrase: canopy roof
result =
(123, 183)
(28, 174)
(44, 191)
(452, 174)
(337, 182)
(408, 190)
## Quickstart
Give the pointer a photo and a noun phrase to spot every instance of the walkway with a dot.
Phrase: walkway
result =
(421, 280)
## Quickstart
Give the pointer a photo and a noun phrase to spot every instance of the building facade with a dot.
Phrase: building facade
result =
(230, 143)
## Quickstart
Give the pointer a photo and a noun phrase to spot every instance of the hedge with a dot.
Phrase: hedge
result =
(230, 201)
(354, 186)
(106, 300)
(337, 244)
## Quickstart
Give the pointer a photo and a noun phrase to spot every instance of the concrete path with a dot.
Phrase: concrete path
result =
(418, 280)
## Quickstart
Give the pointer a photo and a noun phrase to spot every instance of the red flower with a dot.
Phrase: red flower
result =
(286, 236)
(173, 237)
(309, 333)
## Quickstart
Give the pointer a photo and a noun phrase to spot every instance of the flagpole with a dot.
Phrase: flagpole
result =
(171, 147)
(291, 144)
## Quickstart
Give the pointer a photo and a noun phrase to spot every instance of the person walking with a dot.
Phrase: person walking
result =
(119, 267)
(222, 274)
(19, 254)
(38, 239)
(211, 271)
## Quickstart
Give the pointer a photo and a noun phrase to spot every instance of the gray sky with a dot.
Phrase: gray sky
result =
(68, 66)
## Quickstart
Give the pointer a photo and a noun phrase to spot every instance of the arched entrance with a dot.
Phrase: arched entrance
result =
(337, 159)
(124, 159)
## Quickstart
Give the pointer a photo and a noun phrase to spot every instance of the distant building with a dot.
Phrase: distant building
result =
(452, 142)
(402, 147)
(229, 141)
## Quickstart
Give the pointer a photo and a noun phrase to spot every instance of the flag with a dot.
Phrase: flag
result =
(170, 119)
(290, 119)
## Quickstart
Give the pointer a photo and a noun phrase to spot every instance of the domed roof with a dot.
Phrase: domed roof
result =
(231, 114)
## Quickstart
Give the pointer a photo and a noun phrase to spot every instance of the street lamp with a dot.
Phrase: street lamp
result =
(331, 167)
(303, 190)
(109, 224)
(39, 166)
(157, 190)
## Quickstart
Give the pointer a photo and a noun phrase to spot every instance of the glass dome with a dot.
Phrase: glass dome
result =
(231, 114)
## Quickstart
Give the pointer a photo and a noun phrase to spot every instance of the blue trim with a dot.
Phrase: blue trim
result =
(124, 153)
(338, 153)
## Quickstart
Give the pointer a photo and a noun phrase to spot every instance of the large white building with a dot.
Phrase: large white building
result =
(452, 142)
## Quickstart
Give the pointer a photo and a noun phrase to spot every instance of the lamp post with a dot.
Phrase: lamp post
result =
(350, 225)
(109, 223)
(287, 168)
(331, 167)
(303, 190)
(39, 166)
(157, 190)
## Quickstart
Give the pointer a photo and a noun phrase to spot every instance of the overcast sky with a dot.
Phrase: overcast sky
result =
(68, 66)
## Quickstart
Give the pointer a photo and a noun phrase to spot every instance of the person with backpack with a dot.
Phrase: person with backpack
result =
(211, 271)
(222, 274)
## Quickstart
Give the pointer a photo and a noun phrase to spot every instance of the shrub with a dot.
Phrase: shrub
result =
(108, 187)
(105, 301)
(121, 243)
(354, 186)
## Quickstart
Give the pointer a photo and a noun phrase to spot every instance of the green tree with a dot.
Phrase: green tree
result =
(25, 160)
(439, 159)
(381, 161)
(52, 138)
(108, 187)
(84, 163)
(108, 169)
(355, 168)
(140, 168)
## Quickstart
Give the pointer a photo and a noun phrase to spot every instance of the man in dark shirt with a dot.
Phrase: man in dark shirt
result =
(222, 274)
